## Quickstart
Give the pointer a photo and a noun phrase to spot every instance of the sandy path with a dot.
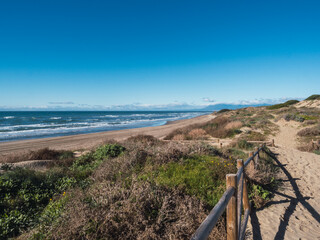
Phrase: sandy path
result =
(87, 141)
(294, 212)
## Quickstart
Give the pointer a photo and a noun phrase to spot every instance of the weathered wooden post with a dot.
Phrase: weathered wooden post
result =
(245, 196)
(251, 164)
(220, 145)
(256, 160)
(232, 222)
(272, 143)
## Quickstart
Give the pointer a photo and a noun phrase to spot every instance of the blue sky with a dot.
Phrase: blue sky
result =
(180, 54)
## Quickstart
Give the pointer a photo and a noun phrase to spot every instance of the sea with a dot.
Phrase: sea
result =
(41, 124)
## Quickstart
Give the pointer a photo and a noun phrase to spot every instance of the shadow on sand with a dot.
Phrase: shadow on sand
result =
(298, 198)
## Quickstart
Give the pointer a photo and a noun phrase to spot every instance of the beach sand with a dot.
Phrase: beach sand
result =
(87, 141)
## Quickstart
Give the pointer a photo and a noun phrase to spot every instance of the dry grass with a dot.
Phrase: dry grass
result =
(233, 125)
(140, 211)
(198, 134)
(309, 132)
(179, 137)
(220, 127)
(41, 154)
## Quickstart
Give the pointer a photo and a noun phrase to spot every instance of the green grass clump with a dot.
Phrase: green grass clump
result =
(200, 176)
(282, 105)
(313, 97)
(237, 153)
(108, 150)
(243, 144)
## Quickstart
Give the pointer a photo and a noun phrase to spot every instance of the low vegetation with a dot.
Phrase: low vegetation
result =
(26, 195)
(313, 97)
(282, 105)
(263, 180)
(42, 154)
(141, 188)
(220, 127)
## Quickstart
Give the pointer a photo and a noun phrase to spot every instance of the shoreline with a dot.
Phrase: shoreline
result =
(90, 140)
(25, 126)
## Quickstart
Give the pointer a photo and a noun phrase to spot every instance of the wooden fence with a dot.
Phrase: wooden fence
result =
(234, 200)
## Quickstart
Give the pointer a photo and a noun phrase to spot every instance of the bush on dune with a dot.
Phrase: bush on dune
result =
(282, 105)
(219, 127)
(41, 154)
(314, 131)
(313, 97)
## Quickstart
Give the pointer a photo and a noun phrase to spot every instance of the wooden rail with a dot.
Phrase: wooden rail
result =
(234, 200)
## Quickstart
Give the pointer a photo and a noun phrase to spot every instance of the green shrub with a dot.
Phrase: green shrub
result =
(108, 150)
(224, 110)
(294, 117)
(236, 153)
(23, 195)
(243, 144)
(258, 195)
(255, 136)
(282, 105)
(313, 97)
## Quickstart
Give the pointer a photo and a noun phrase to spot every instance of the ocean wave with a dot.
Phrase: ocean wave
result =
(54, 128)
(55, 118)
(111, 116)
(8, 117)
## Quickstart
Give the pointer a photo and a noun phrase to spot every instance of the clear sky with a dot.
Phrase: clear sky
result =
(92, 54)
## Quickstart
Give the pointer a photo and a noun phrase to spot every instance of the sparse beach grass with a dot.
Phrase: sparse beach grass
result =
(139, 187)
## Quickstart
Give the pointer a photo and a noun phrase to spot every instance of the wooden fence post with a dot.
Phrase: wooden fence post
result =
(252, 161)
(232, 222)
(312, 144)
(245, 195)
(220, 145)
(272, 143)
(256, 160)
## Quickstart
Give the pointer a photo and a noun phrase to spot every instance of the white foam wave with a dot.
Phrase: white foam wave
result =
(38, 130)
(54, 118)
(8, 117)
(111, 116)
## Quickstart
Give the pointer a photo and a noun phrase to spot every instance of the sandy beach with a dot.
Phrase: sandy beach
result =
(87, 141)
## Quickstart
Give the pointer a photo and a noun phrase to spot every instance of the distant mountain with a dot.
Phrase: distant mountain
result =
(217, 107)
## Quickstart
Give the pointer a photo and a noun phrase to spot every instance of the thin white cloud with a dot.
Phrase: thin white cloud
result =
(61, 103)
(207, 99)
